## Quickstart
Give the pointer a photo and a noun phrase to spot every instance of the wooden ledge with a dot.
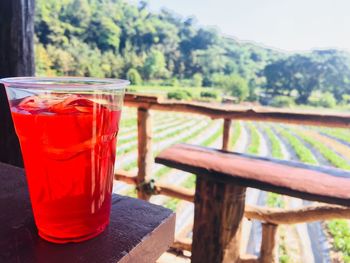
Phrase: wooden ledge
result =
(138, 231)
(328, 185)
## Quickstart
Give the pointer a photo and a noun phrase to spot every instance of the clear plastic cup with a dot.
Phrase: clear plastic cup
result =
(67, 128)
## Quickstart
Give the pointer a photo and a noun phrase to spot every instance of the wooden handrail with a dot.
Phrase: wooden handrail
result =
(229, 200)
(328, 185)
(301, 117)
(175, 191)
(304, 214)
(126, 177)
(158, 188)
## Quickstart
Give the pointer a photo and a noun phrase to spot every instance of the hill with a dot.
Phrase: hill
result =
(117, 39)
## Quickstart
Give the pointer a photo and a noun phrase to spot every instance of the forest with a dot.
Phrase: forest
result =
(119, 39)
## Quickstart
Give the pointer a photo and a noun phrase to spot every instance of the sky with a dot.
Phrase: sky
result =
(288, 25)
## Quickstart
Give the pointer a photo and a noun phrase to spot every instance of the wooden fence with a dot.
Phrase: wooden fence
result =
(271, 217)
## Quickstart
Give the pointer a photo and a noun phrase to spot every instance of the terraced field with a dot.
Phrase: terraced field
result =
(316, 242)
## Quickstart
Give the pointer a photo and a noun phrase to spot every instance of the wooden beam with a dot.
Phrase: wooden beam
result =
(182, 244)
(218, 111)
(329, 185)
(145, 154)
(16, 59)
(298, 215)
(16, 38)
(226, 138)
(219, 209)
(248, 259)
(159, 188)
(125, 177)
(268, 251)
(174, 191)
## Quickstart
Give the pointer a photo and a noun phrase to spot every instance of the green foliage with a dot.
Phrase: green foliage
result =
(172, 204)
(197, 80)
(341, 134)
(325, 100)
(155, 65)
(276, 150)
(340, 231)
(134, 76)
(132, 193)
(303, 153)
(212, 138)
(275, 200)
(346, 99)
(283, 247)
(237, 129)
(322, 70)
(180, 95)
(108, 38)
(116, 36)
(328, 153)
(282, 102)
(209, 94)
(190, 182)
(162, 171)
(254, 145)
(233, 84)
(173, 82)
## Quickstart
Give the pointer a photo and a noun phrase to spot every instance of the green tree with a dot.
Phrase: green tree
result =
(238, 87)
(112, 64)
(197, 80)
(155, 66)
(233, 84)
(302, 73)
(43, 63)
(134, 76)
(110, 37)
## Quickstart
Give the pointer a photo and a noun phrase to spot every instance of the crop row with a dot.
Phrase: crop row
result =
(196, 132)
(325, 151)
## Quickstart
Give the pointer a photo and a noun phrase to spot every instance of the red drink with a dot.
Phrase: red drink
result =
(69, 144)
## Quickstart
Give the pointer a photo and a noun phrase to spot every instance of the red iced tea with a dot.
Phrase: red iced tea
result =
(69, 145)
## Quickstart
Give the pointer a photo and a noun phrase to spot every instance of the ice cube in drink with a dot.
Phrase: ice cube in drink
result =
(68, 144)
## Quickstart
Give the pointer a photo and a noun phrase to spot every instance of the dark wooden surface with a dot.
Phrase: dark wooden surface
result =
(139, 231)
(16, 59)
(328, 185)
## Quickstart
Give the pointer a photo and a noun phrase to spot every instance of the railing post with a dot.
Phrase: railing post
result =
(16, 59)
(219, 209)
(268, 252)
(145, 155)
(226, 135)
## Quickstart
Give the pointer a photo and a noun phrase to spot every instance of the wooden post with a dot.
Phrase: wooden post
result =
(16, 59)
(226, 135)
(219, 209)
(269, 242)
(145, 155)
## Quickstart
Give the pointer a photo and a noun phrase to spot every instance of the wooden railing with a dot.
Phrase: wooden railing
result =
(271, 218)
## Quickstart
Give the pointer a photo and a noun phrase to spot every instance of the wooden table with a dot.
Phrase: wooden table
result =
(138, 231)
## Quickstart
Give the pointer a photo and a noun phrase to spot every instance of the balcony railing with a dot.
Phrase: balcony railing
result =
(271, 217)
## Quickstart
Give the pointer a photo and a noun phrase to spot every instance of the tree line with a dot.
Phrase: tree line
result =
(117, 39)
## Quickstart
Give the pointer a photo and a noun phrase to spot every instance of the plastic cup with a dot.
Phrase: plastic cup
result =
(67, 128)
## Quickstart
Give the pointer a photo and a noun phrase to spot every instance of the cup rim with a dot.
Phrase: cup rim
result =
(65, 83)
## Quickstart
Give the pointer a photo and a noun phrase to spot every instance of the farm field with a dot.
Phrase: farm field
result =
(315, 242)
